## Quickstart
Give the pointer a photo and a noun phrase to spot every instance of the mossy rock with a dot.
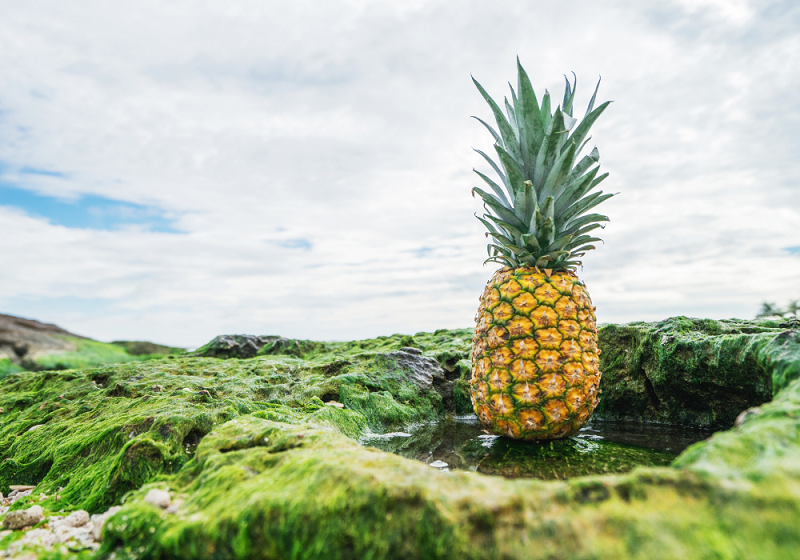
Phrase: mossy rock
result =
(697, 372)
(268, 468)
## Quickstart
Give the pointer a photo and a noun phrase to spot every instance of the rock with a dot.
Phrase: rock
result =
(21, 487)
(234, 346)
(40, 537)
(157, 497)
(174, 507)
(26, 339)
(335, 404)
(697, 372)
(143, 348)
(35, 514)
(291, 347)
(77, 518)
(99, 521)
(18, 519)
(421, 370)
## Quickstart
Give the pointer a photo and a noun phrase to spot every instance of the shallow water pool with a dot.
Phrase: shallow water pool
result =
(601, 447)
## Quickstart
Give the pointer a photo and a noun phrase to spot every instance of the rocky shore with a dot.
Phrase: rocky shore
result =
(253, 453)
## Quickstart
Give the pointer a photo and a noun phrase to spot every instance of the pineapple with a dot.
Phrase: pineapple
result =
(535, 372)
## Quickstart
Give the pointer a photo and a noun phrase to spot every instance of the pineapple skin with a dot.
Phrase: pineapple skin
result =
(535, 366)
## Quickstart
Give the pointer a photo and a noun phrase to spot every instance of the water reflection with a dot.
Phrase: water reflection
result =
(601, 447)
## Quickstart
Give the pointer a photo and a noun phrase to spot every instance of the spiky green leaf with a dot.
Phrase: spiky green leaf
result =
(506, 131)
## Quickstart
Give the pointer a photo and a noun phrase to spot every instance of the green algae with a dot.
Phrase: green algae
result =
(88, 353)
(694, 371)
(103, 432)
(267, 469)
(7, 366)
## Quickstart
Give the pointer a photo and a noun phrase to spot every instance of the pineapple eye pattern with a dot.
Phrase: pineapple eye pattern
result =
(536, 373)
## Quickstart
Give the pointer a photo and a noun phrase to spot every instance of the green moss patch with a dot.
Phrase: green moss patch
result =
(262, 463)
(694, 371)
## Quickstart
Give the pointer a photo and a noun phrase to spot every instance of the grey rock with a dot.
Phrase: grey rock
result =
(40, 537)
(99, 520)
(35, 514)
(423, 371)
(77, 518)
(19, 519)
(159, 498)
(234, 346)
(25, 340)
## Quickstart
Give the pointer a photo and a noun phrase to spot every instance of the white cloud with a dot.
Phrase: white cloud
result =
(344, 124)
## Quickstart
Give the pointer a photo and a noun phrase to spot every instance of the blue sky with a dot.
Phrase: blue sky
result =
(84, 211)
(171, 172)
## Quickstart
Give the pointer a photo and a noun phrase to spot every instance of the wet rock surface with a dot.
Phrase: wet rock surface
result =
(258, 461)
(697, 372)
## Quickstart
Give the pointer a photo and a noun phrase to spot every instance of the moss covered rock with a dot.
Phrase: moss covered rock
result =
(697, 372)
(260, 460)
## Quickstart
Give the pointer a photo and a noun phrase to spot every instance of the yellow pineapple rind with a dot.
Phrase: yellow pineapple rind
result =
(535, 366)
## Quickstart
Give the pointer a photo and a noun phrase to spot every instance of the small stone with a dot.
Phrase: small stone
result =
(77, 518)
(438, 464)
(41, 537)
(744, 415)
(21, 487)
(175, 506)
(159, 498)
(16, 520)
(23, 518)
(158, 388)
(334, 403)
(99, 520)
(35, 514)
(34, 427)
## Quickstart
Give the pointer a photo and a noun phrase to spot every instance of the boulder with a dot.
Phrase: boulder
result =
(697, 372)
(234, 346)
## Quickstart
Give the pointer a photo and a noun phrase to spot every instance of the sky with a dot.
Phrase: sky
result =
(172, 171)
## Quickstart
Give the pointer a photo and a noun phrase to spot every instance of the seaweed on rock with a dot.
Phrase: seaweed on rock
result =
(260, 461)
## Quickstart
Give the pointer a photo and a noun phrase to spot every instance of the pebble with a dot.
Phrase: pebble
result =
(23, 518)
(159, 498)
(175, 506)
(438, 464)
(77, 530)
(99, 519)
(41, 537)
(77, 518)
(334, 403)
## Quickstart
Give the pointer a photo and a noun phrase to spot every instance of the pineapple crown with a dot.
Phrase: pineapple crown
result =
(538, 217)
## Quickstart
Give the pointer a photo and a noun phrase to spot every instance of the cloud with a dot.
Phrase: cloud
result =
(316, 159)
